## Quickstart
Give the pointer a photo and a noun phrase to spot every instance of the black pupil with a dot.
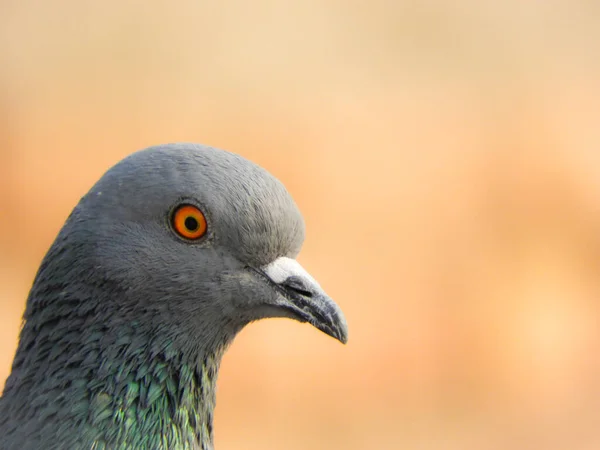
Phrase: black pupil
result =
(191, 223)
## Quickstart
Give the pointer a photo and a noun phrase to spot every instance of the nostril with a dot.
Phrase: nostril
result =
(297, 285)
(302, 292)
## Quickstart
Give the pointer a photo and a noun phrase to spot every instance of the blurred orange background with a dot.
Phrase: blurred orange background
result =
(446, 157)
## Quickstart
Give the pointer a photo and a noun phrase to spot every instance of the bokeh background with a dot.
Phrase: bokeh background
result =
(446, 156)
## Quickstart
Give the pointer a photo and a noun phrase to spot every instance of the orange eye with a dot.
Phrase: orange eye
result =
(189, 222)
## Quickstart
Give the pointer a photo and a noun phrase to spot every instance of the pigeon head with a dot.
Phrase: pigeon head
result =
(171, 253)
(202, 240)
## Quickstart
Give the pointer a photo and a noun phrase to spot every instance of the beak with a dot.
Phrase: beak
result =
(303, 298)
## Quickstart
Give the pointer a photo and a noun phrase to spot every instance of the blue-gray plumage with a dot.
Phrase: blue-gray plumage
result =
(129, 314)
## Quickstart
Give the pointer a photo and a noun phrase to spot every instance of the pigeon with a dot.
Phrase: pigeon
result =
(169, 255)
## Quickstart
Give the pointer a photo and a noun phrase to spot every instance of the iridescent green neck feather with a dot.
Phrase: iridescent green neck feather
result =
(157, 407)
(79, 383)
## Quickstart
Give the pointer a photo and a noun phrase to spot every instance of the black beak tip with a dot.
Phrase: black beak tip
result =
(342, 334)
(337, 330)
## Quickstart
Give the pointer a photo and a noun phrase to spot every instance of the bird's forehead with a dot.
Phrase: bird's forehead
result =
(249, 210)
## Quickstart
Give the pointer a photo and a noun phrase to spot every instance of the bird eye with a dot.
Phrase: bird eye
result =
(189, 222)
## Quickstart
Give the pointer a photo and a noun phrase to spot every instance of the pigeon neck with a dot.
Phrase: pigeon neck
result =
(117, 389)
(169, 404)
(162, 404)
